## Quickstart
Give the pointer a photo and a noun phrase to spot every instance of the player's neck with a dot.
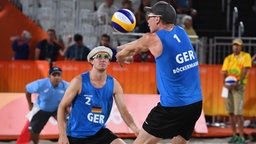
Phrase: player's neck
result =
(98, 80)
(97, 75)
(167, 27)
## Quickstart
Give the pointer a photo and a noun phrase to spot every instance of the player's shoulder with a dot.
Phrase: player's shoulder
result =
(77, 78)
(149, 37)
(149, 34)
(115, 80)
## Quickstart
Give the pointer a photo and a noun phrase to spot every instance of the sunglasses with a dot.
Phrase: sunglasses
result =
(152, 15)
(101, 56)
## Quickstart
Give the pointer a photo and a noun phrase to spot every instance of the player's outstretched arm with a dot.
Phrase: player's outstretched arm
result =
(121, 105)
(73, 89)
(145, 43)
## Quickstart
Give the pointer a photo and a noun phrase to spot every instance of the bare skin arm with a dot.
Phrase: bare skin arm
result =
(73, 89)
(62, 52)
(149, 41)
(244, 73)
(37, 53)
(253, 58)
(30, 104)
(121, 105)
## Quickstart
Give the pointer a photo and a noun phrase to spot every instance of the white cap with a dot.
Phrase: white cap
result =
(99, 49)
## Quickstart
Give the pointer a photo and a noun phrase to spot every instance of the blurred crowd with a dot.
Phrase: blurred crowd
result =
(74, 49)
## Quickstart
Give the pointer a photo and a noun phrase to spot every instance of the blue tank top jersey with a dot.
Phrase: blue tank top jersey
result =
(178, 78)
(91, 108)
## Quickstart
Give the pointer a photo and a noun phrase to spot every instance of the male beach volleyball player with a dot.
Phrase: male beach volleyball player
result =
(177, 76)
(90, 96)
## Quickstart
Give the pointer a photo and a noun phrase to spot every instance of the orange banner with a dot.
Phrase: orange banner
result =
(16, 74)
(137, 78)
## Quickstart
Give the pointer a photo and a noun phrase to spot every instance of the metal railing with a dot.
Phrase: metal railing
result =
(220, 47)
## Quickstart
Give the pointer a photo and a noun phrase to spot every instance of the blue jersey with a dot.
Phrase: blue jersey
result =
(91, 108)
(178, 78)
(49, 97)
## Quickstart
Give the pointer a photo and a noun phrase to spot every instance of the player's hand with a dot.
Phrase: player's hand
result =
(120, 58)
(124, 55)
(63, 140)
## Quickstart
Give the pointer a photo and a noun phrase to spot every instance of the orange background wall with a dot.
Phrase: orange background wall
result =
(137, 78)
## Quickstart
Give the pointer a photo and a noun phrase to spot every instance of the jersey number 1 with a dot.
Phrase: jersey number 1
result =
(177, 38)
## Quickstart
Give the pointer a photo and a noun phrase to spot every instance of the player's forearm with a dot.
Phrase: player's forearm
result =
(28, 97)
(128, 119)
(61, 121)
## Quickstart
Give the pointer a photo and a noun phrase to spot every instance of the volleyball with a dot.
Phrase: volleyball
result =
(230, 80)
(123, 21)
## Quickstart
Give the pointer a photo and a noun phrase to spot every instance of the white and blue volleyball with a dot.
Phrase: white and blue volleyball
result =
(123, 21)
(230, 80)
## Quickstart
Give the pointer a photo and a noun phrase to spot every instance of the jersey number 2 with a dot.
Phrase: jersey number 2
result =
(88, 100)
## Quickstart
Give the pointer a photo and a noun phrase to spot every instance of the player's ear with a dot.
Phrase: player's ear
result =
(158, 19)
(91, 61)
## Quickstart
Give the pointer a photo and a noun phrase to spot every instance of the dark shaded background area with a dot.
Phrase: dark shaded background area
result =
(212, 17)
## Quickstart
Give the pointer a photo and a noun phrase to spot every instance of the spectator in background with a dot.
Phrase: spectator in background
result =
(237, 65)
(20, 46)
(105, 11)
(188, 26)
(141, 22)
(105, 41)
(127, 4)
(48, 49)
(185, 7)
(77, 51)
(50, 92)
